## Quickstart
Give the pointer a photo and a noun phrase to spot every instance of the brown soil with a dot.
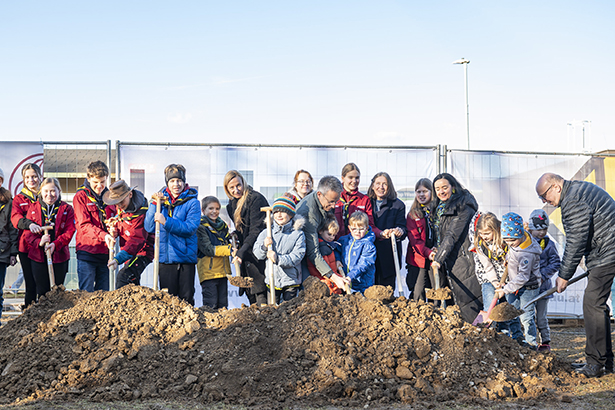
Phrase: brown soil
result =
(504, 311)
(136, 343)
(240, 281)
(381, 293)
(439, 294)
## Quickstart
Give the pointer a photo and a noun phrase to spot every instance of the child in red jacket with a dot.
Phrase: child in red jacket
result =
(49, 210)
(327, 247)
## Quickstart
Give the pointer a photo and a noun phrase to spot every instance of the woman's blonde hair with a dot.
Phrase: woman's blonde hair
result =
(48, 181)
(489, 221)
(241, 202)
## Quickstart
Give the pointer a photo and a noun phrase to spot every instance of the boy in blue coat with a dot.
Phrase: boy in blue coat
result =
(359, 252)
(538, 225)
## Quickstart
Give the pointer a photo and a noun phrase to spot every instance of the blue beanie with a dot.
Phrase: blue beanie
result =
(512, 226)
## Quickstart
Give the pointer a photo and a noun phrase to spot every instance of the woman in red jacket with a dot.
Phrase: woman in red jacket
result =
(420, 236)
(352, 200)
(49, 210)
(31, 174)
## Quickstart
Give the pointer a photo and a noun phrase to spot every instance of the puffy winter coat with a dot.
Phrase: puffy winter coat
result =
(454, 255)
(391, 215)
(289, 244)
(523, 265)
(178, 241)
(549, 263)
(359, 259)
(63, 231)
(9, 245)
(214, 250)
(588, 215)
(21, 203)
(90, 215)
(349, 203)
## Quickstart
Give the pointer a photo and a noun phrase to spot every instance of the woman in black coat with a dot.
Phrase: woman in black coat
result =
(390, 219)
(244, 209)
(452, 212)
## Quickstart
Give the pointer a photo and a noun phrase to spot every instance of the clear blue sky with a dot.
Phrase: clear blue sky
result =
(313, 72)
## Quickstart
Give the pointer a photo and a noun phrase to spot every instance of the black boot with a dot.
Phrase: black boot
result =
(591, 370)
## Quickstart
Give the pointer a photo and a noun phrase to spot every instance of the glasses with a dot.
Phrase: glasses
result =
(545, 194)
(357, 228)
(304, 182)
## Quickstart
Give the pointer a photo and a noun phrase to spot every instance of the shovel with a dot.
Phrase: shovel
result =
(554, 289)
(238, 280)
(483, 317)
(52, 277)
(157, 245)
(400, 287)
(437, 293)
(271, 300)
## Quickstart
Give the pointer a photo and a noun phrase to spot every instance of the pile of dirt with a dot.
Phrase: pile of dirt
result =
(347, 350)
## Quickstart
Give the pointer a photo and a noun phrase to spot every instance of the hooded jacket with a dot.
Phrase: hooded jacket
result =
(90, 215)
(588, 216)
(178, 241)
(289, 244)
(549, 263)
(453, 252)
(523, 265)
(134, 239)
(359, 259)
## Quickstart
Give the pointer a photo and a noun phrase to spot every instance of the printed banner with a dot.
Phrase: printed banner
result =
(13, 156)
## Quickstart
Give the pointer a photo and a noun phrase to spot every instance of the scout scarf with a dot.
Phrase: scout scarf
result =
(439, 212)
(94, 198)
(347, 203)
(28, 194)
(498, 255)
(49, 212)
(174, 201)
(218, 228)
(543, 243)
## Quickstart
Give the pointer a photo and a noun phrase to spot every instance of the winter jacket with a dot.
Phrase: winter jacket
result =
(21, 203)
(349, 203)
(453, 252)
(294, 195)
(588, 216)
(523, 265)
(178, 241)
(9, 235)
(214, 250)
(311, 209)
(549, 263)
(420, 240)
(391, 215)
(489, 262)
(134, 239)
(61, 235)
(327, 250)
(289, 244)
(90, 215)
(359, 259)
(252, 224)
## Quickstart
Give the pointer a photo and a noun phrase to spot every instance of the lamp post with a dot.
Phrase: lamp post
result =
(465, 70)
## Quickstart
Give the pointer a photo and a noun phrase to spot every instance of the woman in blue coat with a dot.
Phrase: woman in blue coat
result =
(179, 218)
(390, 219)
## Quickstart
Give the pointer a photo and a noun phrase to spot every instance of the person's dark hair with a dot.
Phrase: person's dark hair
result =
(456, 187)
(416, 211)
(97, 169)
(390, 193)
(208, 200)
(328, 224)
(330, 183)
(5, 195)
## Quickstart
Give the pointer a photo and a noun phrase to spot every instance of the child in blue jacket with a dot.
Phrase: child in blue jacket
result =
(538, 225)
(359, 252)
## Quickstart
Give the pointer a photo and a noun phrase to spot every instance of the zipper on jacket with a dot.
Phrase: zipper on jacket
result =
(349, 255)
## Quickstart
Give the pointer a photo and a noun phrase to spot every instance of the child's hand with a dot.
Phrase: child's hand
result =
(34, 228)
(339, 265)
(236, 259)
(497, 285)
(45, 239)
(51, 247)
(112, 264)
(159, 217)
(268, 241)
(272, 256)
(499, 293)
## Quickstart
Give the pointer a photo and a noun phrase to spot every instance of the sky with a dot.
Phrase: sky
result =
(310, 72)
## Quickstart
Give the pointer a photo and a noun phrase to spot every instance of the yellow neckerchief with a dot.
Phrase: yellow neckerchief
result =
(527, 242)
(496, 256)
(28, 194)
(543, 243)
(128, 216)
(227, 237)
(345, 215)
(2, 207)
(172, 204)
(49, 212)
(99, 204)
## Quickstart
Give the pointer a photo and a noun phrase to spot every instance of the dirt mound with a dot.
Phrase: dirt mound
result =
(347, 350)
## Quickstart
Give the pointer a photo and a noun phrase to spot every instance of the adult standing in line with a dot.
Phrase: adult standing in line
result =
(244, 209)
(351, 199)
(91, 212)
(420, 240)
(179, 218)
(452, 212)
(314, 208)
(588, 216)
(32, 176)
(9, 246)
(390, 220)
(49, 210)
(303, 185)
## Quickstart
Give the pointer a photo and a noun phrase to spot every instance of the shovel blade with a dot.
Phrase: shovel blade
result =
(482, 319)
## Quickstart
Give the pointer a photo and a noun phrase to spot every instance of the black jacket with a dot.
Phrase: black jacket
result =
(588, 215)
(392, 214)
(8, 234)
(453, 253)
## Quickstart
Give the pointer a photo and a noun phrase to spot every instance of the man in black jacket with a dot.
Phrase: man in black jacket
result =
(588, 216)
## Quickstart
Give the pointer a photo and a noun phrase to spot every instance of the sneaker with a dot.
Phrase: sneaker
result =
(591, 370)
(545, 348)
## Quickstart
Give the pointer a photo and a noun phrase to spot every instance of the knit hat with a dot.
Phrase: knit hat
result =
(512, 226)
(284, 204)
(174, 172)
(538, 220)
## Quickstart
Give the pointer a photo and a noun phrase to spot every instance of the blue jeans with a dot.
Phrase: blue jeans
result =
(92, 276)
(2, 277)
(527, 319)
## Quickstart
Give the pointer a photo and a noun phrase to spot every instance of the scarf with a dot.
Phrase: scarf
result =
(173, 202)
(95, 198)
(28, 194)
(543, 243)
(498, 254)
(436, 221)
(347, 198)
(49, 212)
(218, 228)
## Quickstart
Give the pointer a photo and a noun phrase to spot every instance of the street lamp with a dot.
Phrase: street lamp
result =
(465, 69)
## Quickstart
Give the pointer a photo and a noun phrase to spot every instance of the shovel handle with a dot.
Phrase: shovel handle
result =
(436, 277)
(271, 300)
(400, 287)
(235, 261)
(52, 277)
(157, 248)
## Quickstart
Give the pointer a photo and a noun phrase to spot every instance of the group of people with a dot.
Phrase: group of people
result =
(334, 232)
